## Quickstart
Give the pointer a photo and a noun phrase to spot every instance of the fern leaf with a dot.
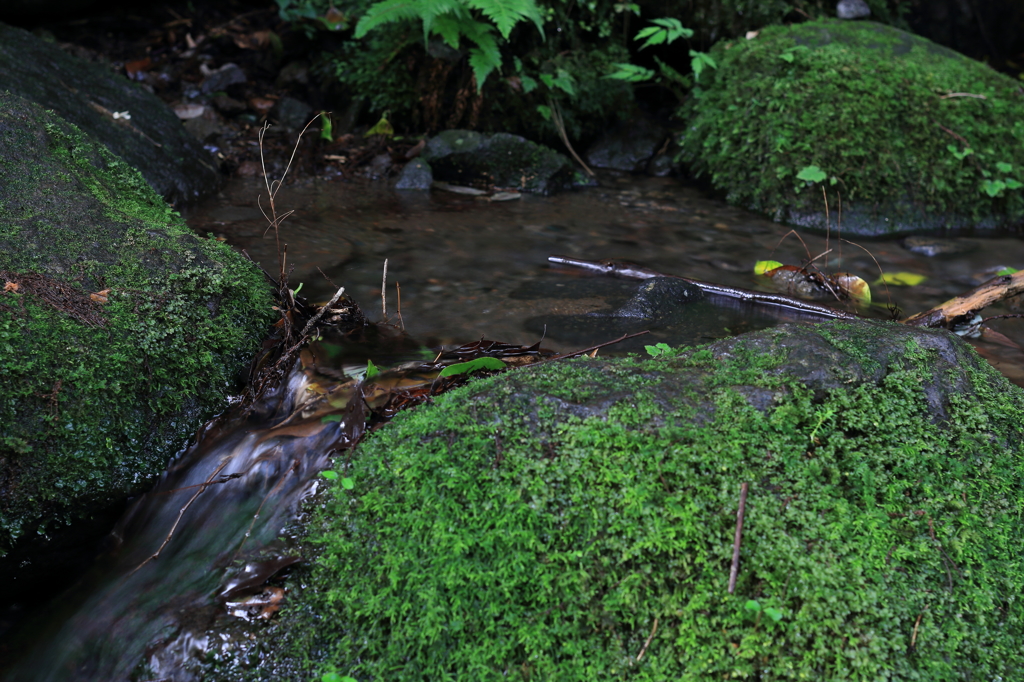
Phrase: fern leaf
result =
(429, 10)
(387, 12)
(507, 13)
(484, 58)
(449, 28)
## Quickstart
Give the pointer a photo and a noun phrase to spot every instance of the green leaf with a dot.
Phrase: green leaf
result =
(347, 483)
(332, 475)
(386, 12)
(330, 418)
(1012, 184)
(658, 349)
(752, 605)
(762, 267)
(545, 111)
(631, 73)
(993, 188)
(1004, 167)
(1006, 271)
(325, 134)
(372, 370)
(773, 613)
(699, 60)
(472, 366)
(664, 31)
(811, 174)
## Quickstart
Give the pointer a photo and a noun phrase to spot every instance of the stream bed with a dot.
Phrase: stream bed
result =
(468, 268)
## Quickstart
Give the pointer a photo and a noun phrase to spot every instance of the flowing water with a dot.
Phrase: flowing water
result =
(468, 268)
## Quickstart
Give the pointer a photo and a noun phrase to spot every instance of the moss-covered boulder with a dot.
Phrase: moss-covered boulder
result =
(151, 138)
(911, 135)
(121, 331)
(575, 521)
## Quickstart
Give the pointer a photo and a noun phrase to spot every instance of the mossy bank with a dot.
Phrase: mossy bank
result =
(912, 136)
(121, 331)
(575, 520)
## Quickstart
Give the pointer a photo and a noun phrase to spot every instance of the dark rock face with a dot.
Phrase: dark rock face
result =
(152, 139)
(629, 146)
(502, 160)
(564, 517)
(121, 331)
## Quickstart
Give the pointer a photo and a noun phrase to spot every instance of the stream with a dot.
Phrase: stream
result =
(222, 515)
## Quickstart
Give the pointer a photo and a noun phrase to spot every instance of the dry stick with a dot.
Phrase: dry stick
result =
(648, 642)
(398, 290)
(592, 348)
(384, 294)
(965, 305)
(181, 512)
(913, 637)
(734, 571)
(556, 117)
(828, 231)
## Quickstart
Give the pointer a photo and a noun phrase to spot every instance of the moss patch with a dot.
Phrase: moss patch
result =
(912, 135)
(557, 522)
(98, 396)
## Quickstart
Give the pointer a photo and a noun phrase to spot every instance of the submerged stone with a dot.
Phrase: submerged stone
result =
(150, 137)
(466, 157)
(121, 331)
(910, 135)
(575, 521)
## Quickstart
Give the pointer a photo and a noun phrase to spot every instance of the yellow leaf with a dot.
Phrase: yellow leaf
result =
(100, 296)
(381, 127)
(762, 267)
(901, 279)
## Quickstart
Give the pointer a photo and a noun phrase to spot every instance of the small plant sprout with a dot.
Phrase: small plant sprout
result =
(754, 608)
(658, 349)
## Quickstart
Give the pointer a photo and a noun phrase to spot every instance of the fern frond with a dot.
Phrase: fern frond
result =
(449, 27)
(484, 58)
(387, 12)
(430, 10)
(507, 13)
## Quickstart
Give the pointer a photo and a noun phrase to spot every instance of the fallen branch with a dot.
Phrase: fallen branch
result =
(631, 271)
(735, 569)
(962, 308)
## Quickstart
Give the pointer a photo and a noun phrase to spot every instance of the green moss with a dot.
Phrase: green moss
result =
(871, 107)
(528, 527)
(97, 398)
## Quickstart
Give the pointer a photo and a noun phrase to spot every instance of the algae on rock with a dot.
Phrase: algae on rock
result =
(574, 521)
(911, 135)
(97, 396)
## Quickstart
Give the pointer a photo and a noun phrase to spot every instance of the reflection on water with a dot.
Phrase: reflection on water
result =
(468, 267)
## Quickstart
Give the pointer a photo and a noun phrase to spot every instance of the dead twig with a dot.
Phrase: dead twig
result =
(556, 118)
(643, 651)
(577, 353)
(913, 636)
(962, 94)
(964, 307)
(735, 569)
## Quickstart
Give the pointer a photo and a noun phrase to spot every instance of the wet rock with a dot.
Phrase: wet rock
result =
(293, 73)
(629, 146)
(659, 298)
(852, 9)
(121, 330)
(223, 78)
(415, 175)
(934, 246)
(152, 140)
(610, 488)
(465, 157)
(291, 113)
(204, 128)
(228, 105)
(896, 177)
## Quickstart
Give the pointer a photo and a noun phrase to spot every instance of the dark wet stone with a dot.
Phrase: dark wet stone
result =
(659, 298)
(629, 146)
(934, 246)
(223, 78)
(86, 94)
(291, 113)
(415, 175)
(204, 129)
(465, 157)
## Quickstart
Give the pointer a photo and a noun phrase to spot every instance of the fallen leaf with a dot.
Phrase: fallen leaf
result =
(136, 69)
(762, 267)
(10, 286)
(901, 279)
(853, 286)
(100, 296)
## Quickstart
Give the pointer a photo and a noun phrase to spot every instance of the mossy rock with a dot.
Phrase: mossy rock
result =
(500, 160)
(97, 396)
(575, 521)
(910, 135)
(152, 140)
